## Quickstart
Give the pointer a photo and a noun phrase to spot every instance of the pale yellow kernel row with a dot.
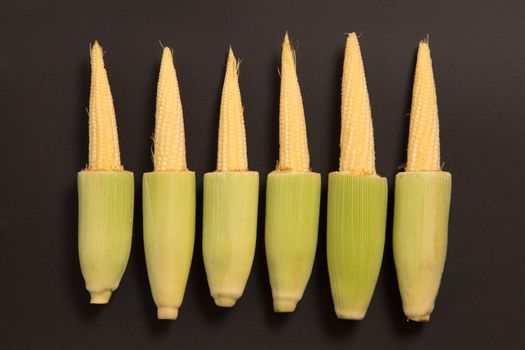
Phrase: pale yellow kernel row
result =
(231, 148)
(169, 141)
(293, 144)
(357, 134)
(423, 141)
(104, 153)
(357, 138)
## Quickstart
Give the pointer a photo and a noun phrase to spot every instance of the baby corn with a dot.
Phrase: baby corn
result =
(357, 198)
(230, 201)
(292, 197)
(422, 201)
(105, 194)
(168, 199)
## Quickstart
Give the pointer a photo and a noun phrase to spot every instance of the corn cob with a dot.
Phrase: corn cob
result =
(230, 201)
(357, 198)
(168, 200)
(422, 201)
(292, 197)
(105, 194)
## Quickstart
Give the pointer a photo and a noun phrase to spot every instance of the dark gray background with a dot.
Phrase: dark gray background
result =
(478, 49)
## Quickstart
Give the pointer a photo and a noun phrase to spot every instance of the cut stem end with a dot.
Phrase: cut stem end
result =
(225, 300)
(100, 297)
(350, 315)
(167, 312)
(419, 318)
(284, 305)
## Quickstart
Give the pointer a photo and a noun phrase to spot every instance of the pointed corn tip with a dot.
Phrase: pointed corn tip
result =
(167, 313)
(352, 41)
(97, 57)
(352, 36)
(96, 51)
(166, 53)
(287, 45)
(231, 56)
(288, 53)
(167, 59)
(424, 45)
(286, 41)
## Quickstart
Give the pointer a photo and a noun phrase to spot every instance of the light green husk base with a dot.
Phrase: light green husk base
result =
(105, 221)
(421, 210)
(292, 219)
(169, 235)
(355, 240)
(229, 232)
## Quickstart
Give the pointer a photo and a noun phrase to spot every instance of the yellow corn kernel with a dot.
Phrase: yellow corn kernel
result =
(357, 135)
(423, 140)
(104, 151)
(293, 145)
(170, 148)
(231, 150)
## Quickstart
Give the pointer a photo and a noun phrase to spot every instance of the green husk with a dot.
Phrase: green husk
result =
(105, 201)
(229, 232)
(292, 219)
(169, 234)
(422, 203)
(355, 240)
